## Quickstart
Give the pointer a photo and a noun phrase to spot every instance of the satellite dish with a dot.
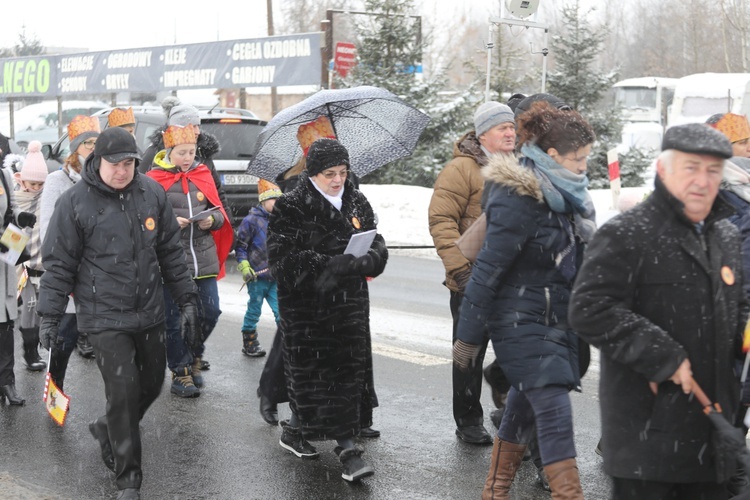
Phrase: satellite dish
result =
(522, 8)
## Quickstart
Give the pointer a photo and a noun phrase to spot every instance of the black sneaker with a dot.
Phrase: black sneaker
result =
(354, 467)
(291, 439)
(99, 431)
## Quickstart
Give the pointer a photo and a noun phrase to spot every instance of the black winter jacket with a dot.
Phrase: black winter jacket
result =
(517, 292)
(112, 249)
(652, 292)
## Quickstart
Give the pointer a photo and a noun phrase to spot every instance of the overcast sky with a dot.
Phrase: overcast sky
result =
(142, 23)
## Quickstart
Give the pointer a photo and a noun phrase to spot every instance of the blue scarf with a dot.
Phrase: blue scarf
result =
(560, 185)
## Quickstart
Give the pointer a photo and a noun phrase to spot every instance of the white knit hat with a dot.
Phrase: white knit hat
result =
(34, 167)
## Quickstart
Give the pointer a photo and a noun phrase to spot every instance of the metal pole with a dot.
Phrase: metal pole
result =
(59, 116)
(545, 51)
(11, 115)
(490, 45)
(274, 96)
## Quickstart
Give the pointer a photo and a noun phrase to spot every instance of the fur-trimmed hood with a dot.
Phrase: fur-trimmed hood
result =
(207, 145)
(505, 169)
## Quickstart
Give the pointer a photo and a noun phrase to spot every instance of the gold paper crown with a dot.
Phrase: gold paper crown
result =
(80, 124)
(267, 190)
(735, 127)
(314, 130)
(176, 135)
(121, 116)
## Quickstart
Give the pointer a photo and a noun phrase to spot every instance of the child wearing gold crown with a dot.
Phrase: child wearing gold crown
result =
(207, 239)
(252, 256)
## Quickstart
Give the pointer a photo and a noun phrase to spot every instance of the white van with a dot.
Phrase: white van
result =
(644, 103)
(697, 97)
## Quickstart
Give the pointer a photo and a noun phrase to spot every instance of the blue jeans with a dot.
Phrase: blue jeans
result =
(178, 352)
(549, 407)
(259, 290)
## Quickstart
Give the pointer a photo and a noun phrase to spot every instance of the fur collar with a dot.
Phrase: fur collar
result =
(505, 169)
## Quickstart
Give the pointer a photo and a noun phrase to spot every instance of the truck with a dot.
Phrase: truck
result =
(698, 96)
(644, 102)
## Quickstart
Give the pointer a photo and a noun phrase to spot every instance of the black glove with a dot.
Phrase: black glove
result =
(341, 264)
(48, 329)
(3, 248)
(26, 219)
(365, 265)
(189, 325)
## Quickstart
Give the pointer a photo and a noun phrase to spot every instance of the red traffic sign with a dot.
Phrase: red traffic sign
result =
(344, 58)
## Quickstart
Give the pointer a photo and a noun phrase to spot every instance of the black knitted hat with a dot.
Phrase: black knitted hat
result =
(326, 153)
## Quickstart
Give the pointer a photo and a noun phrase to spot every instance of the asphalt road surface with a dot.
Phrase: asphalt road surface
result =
(218, 447)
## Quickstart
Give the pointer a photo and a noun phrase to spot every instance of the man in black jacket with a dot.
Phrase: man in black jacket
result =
(111, 241)
(660, 293)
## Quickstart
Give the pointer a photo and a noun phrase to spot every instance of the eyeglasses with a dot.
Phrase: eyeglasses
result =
(89, 144)
(331, 175)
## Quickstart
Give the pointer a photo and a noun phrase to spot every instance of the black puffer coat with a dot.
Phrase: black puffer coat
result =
(326, 329)
(112, 249)
(516, 290)
(652, 292)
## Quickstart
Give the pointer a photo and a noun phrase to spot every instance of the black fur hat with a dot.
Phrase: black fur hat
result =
(326, 153)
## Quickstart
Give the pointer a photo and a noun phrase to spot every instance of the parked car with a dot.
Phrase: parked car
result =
(40, 121)
(236, 133)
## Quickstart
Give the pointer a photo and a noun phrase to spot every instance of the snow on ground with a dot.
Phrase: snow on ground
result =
(402, 213)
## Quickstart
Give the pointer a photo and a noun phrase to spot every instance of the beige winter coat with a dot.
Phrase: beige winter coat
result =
(456, 204)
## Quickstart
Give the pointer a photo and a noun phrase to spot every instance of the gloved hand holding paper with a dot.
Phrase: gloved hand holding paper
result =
(360, 243)
(204, 214)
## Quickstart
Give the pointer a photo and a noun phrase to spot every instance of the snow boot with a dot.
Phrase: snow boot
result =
(563, 480)
(354, 467)
(182, 383)
(196, 370)
(291, 439)
(34, 362)
(506, 458)
(250, 345)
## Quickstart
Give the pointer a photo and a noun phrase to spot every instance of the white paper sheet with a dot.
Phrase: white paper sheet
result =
(360, 243)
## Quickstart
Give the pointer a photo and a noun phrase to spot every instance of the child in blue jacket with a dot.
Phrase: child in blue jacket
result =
(253, 264)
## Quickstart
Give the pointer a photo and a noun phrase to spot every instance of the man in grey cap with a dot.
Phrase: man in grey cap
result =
(660, 294)
(112, 241)
(455, 205)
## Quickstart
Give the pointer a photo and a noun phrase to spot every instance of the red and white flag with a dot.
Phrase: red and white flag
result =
(614, 176)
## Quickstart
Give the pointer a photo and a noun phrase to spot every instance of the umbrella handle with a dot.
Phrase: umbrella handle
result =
(703, 399)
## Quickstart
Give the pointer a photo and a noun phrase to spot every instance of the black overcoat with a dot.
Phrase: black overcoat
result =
(324, 319)
(653, 291)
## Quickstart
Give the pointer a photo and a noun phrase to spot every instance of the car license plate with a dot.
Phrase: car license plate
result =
(238, 179)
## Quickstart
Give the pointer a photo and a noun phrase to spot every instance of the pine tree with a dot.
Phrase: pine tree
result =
(389, 48)
(28, 45)
(579, 84)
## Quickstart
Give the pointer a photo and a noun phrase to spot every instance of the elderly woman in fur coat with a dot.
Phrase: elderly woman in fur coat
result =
(323, 303)
(539, 215)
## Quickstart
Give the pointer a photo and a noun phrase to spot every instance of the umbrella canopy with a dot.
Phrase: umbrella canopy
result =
(374, 125)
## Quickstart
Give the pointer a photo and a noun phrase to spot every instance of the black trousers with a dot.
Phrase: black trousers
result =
(132, 365)
(7, 350)
(636, 489)
(273, 381)
(467, 385)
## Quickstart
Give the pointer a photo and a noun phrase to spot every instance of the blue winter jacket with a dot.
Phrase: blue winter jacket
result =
(251, 241)
(517, 292)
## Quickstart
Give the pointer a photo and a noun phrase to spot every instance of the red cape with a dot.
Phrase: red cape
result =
(203, 180)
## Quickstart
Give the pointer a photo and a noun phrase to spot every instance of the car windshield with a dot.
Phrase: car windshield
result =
(237, 138)
(636, 97)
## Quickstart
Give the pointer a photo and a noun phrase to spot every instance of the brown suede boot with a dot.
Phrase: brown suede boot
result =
(506, 457)
(563, 480)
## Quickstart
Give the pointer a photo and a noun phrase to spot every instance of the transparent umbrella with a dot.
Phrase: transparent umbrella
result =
(374, 125)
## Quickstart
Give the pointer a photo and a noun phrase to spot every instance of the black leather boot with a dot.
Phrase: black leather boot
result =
(9, 392)
(34, 362)
(268, 410)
